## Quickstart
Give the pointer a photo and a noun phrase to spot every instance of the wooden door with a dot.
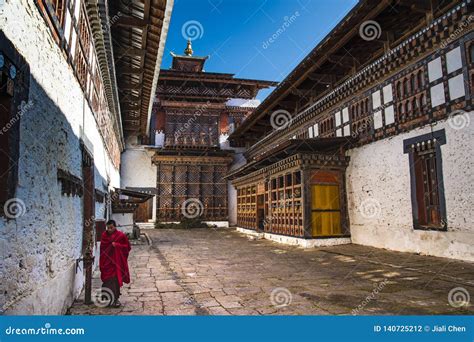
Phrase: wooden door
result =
(144, 211)
(325, 210)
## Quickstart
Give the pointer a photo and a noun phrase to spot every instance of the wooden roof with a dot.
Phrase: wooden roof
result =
(205, 86)
(142, 196)
(341, 54)
(188, 63)
(291, 147)
(187, 81)
(139, 29)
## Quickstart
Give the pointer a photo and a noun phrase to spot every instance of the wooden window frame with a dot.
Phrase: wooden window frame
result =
(439, 138)
(18, 98)
(51, 16)
(406, 87)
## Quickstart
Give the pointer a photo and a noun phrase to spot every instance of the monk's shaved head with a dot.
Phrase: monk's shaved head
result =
(111, 226)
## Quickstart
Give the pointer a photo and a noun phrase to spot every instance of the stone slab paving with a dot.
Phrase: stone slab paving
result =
(222, 272)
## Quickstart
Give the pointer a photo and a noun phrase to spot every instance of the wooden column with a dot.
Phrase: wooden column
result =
(306, 195)
(88, 220)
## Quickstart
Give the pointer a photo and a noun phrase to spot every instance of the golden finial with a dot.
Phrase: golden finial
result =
(189, 49)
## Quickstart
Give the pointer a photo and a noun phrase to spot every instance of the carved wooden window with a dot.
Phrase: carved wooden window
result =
(81, 67)
(399, 90)
(327, 126)
(412, 82)
(58, 7)
(84, 36)
(82, 50)
(428, 204)
(14, 87)
(471, 53)
(414, 104)
(405, 87)
(422, 100)
(419, 77)
(53, 11)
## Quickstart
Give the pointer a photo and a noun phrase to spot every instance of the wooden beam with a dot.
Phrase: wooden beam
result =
(129, 21)
(129, 86)
(305, 93)
(126, 70)
(121, 51)
(130, 107)
(422, 6)
(132, 122)
(131, 99)
(324, 78)
(288, 105)
(346, 60)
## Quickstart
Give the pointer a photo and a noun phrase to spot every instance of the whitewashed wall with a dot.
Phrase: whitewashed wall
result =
(378, 185)
(239, 161)
(137, 170)
(40, 248)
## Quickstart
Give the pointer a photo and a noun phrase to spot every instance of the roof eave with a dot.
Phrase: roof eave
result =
(161, 48)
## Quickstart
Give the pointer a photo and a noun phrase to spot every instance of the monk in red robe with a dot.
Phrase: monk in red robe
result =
(114, 250)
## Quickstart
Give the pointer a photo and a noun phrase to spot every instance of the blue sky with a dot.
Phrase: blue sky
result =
(259, 39)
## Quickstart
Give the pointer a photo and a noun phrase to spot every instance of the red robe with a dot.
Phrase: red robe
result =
(113, 260)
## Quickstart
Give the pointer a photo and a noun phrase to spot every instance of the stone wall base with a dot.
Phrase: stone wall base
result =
(53, 298)
(294, 241)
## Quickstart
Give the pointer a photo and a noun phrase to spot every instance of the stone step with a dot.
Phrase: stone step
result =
(146, 225)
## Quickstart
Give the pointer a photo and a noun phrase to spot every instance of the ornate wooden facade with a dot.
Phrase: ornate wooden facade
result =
(360, 90)
(191, 117)
(300, 195)
(197, 178)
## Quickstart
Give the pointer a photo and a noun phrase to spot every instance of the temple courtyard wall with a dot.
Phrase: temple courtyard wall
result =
(137, 169)
(379, 195)
(39, 268)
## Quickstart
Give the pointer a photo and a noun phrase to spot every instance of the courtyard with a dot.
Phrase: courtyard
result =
(223, 272)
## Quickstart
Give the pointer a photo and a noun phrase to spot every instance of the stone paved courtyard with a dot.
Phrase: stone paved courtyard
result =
(222, 272)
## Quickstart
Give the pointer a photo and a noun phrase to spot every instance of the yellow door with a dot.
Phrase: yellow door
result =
(325, 210)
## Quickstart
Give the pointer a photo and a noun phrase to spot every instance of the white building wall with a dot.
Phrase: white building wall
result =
(239, 161)
(40, 248)
(137, 170)
(379, 195)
